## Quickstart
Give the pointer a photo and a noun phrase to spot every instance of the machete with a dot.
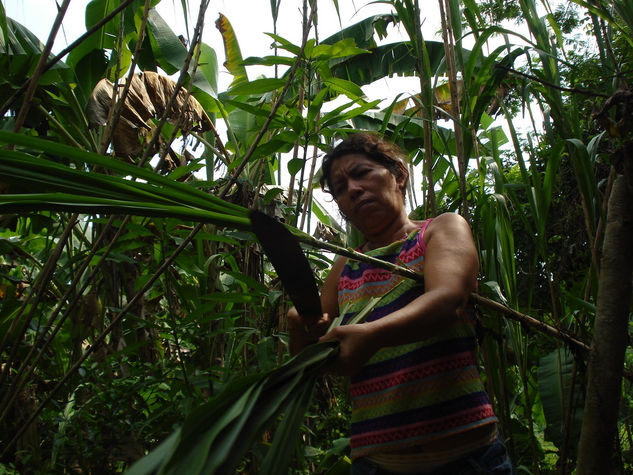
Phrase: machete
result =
(285, 254)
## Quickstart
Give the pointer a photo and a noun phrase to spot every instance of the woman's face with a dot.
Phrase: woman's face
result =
(367, 193)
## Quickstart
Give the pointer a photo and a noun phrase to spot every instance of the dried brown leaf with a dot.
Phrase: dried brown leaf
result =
(147, 98)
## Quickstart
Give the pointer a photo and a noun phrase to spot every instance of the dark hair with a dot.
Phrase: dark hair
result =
(371, 145)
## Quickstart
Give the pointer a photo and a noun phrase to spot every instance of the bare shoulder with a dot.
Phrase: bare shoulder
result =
(451, 255)
(448, 224)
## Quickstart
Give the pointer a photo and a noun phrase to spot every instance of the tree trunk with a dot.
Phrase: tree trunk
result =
(610, 336)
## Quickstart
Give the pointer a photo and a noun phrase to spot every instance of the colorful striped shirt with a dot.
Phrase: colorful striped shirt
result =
(411, 394)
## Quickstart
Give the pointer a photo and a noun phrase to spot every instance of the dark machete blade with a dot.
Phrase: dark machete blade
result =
(287, 258)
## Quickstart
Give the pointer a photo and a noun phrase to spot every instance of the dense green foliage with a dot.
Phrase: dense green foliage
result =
(136, 308)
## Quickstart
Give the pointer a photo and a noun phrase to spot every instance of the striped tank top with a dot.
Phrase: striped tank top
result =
(411, 394)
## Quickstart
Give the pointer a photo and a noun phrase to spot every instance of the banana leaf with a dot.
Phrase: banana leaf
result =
(554, 382)
(216, 436)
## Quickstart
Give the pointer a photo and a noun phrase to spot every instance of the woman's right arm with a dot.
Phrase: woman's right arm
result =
(304, 330)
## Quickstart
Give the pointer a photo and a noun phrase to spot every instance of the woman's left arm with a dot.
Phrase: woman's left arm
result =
(450, 275)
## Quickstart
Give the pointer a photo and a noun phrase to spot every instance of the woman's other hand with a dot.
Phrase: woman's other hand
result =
(303, 331)
(357, 345)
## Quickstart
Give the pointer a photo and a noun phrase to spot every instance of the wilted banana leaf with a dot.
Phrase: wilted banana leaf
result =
(147, 98)
(234, 62)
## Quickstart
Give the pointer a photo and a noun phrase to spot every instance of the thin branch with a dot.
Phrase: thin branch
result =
(451, 67)
(308, 197)
(185, 108)
(40, 68)
(531, 322)
(549, 84)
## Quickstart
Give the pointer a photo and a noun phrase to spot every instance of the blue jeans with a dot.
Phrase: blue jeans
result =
(492, 458)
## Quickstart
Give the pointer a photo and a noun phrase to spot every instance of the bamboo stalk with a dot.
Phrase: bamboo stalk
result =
(308, 78)
(308, 197)
(426, 93)
(451, 68)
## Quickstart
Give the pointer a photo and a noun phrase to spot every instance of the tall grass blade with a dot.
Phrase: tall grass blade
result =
(215, 437)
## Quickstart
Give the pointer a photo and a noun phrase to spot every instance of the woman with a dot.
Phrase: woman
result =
(418, 403)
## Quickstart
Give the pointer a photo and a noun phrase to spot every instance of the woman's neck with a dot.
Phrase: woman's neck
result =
(397, 230)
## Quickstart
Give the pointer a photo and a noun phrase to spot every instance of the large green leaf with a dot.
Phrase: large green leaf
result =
(168, 50)
(340, 49)
(206, 78)
(363, 32)
(170, 54)
(89, 70)
(386, 61)
(20, 51)
(554, 382)
(105, 39)
(256, 87)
